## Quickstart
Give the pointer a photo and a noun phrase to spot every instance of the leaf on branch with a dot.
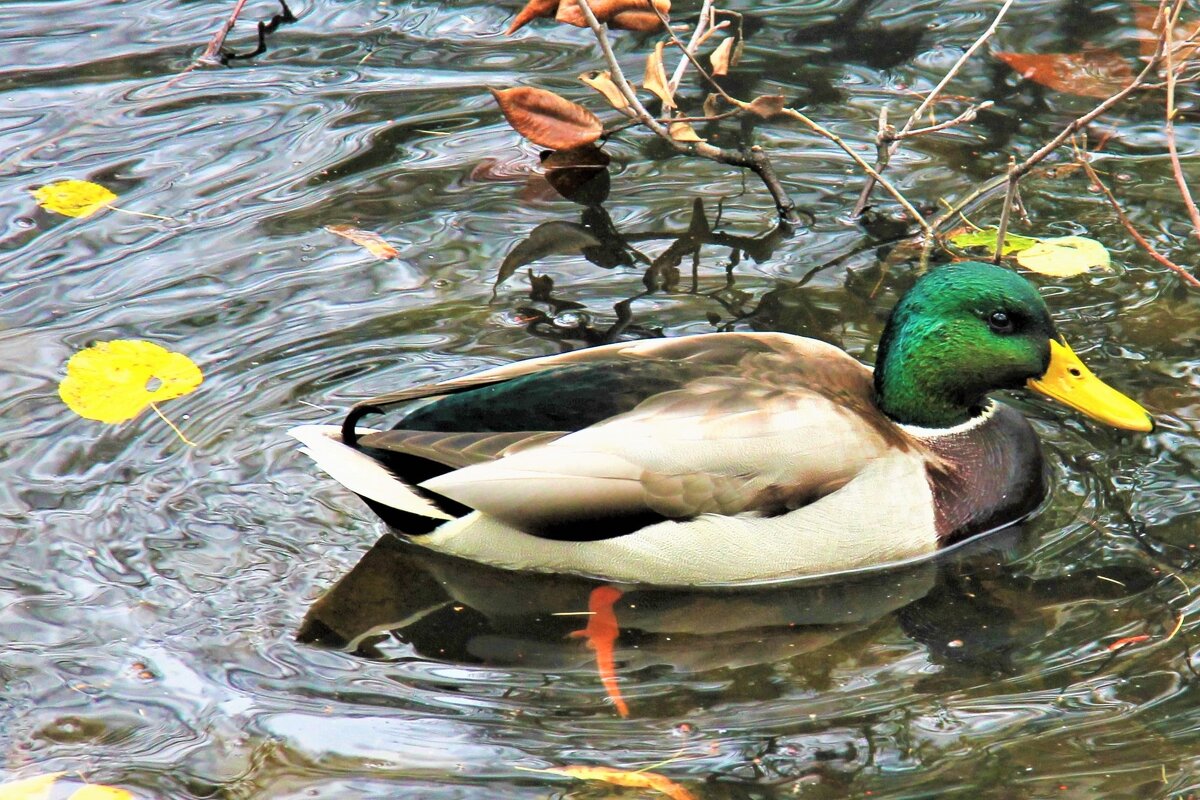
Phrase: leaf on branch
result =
(1092, 73)
(720, 57)
(655, 79)
(74, 198)
(712, 105)
(683, 132)
(544, 118)
(767, 105)
(620, 777)
(553, 238)
(373, 242)
(968, 239)
(1064, 256)
(603, 83)
(579, 175)
(532, 10)
(634, 15)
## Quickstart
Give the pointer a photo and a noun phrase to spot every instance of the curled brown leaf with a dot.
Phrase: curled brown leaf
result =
(720, 57)
(655, 79)
(603, 83)
(547, 119)
(532, 10)
(767, 105)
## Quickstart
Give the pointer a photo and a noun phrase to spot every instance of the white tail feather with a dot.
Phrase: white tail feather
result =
(360, 473)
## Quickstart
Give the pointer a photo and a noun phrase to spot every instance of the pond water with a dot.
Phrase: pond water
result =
(225, 621)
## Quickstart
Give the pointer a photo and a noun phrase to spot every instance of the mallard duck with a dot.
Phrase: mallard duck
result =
(733, 457)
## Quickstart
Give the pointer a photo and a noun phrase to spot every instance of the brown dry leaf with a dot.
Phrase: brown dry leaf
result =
(532, 10)
(712, 105)
(544, 118)
(683, 132)
(625, 14)
(603, 83)
(1093, 73)
(720, 57)
(373, 242)
(655, 79)
(767, 105)
(620, 777)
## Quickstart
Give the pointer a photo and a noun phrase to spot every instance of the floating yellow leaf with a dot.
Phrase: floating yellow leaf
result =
(655, 79)
(373, 242)
(74, 198)
(111, 381)
(37, 788)
(619, 777)
(96, 791)
(1064, 256)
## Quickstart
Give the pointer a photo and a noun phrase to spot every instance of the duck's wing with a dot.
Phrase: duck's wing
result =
(601, 441)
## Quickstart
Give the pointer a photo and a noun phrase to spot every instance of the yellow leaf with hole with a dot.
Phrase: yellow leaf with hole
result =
(111, 381)
(37, 788)
(96, 791)
(73, 198)
(1064, 256)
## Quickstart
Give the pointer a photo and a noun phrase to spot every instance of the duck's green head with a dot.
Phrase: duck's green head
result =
(967, 329)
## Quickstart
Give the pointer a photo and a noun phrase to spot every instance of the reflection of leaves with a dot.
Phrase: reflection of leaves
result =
(544, 118)
(554, 238)
(579, 175)
(370, 240)
(1064, 256)
(74, 198)
(1093, 73)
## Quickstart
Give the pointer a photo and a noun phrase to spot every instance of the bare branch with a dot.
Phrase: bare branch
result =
(698, 37)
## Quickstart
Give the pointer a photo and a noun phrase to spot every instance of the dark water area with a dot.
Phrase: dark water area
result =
(226, 621)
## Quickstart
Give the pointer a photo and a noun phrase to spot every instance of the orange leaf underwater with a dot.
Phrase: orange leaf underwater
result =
(601, 634)
(544, 118)
(1094, 73)
(619, 777)
(373, 242)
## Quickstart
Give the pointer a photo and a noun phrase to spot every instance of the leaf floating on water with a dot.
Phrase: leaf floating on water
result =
(372, 241)
(601, 634)
(987, 239)
(40, 788)
(720, 57)
(74, 198)
(544, 118)
(655, 79)
(110, 381)
(532, 10)
(1092, 73)
(620, 777)
(767, 105)
(603, 83)
(1064, 256)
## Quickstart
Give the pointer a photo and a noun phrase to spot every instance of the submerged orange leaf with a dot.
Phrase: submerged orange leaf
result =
(373, 242)
(1093, 73)
(620, 777)
(73, 198)
(601, 634)
(544, 118)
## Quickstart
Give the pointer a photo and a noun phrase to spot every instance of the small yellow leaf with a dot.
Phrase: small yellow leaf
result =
(73, 198)
(603, 83)
(96, 791)
(720, 57)
(37, 788)
(1064, 256)
(110, 381)
(373, 242)
(655, 79)
(683, 132)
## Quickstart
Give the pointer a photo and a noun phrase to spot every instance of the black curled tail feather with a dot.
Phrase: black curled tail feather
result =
(349, 435)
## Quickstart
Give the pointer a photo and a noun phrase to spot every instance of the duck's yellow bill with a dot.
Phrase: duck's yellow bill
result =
(1071, 383)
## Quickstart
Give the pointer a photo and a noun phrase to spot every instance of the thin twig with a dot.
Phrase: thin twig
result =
(1010, 198)
(218, 39)
(929, 100)
(702, 23)
(966, 116)
(1172, 147)
(1133, 232)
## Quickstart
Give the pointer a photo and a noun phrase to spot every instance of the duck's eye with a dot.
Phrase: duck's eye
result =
(1001, 322)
